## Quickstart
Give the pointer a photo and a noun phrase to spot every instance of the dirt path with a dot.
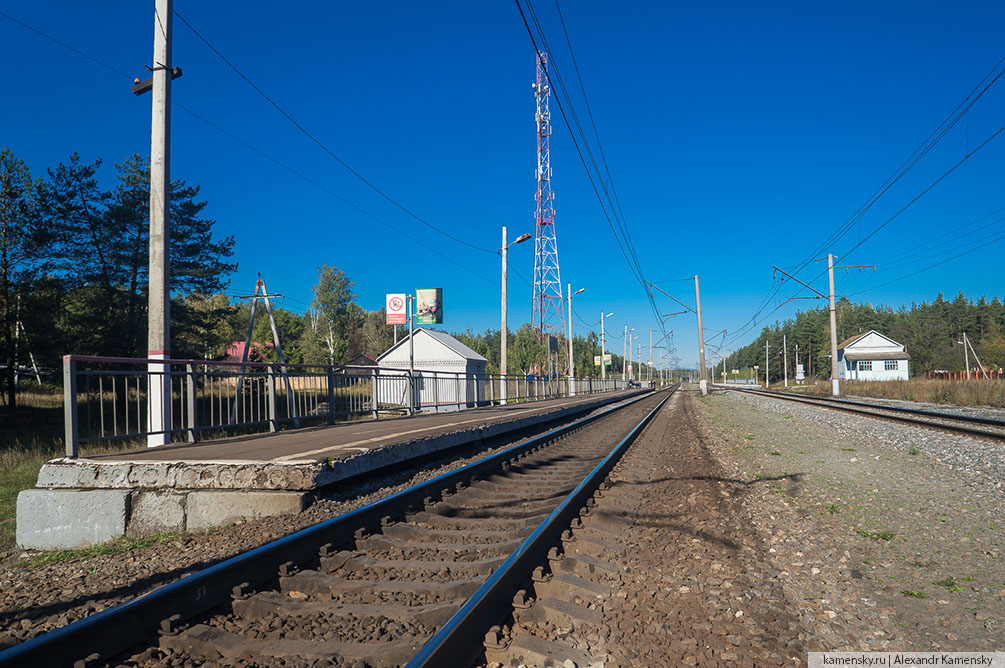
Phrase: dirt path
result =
(872, 522)
(702, 586)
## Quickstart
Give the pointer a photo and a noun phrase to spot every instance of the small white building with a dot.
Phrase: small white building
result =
(448, 373)
(872, 356)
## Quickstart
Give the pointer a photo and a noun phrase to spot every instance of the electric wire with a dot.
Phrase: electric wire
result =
(321, 144)
(635, 267)
(254, 148)
(920, 152)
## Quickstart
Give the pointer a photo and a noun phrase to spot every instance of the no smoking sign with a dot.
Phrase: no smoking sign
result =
(395, 309)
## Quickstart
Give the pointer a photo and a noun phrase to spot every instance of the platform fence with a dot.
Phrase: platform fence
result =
(108, 398)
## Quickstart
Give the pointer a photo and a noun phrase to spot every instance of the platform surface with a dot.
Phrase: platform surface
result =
(317, 444)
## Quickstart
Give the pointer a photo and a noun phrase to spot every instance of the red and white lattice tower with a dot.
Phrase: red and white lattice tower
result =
(548, 317)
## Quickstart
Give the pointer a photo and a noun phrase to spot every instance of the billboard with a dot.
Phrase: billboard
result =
(394, 307)
(607, 360)
(429, 306)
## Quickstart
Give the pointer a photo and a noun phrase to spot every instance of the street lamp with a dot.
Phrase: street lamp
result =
(572, 366)
(502, 335)
(628, 352)
(603, 368)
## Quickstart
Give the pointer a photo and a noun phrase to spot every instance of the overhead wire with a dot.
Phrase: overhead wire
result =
(951, 120)
(321, 144)
(629, 255)
(254, 148)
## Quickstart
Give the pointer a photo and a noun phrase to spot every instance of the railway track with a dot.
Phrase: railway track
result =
(954, 422)
(416, 578)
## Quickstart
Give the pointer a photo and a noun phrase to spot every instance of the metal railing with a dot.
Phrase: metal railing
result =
(107, 398)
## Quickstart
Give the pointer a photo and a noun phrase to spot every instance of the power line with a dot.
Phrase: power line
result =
(632, 261)
(255, 149)
(322, 145)
(65, 45)
(920, 152)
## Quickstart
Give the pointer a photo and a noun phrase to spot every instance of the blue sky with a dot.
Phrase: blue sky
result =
(739, 137)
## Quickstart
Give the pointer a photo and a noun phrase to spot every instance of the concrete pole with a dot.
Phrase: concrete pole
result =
(785, 360)
(966, 355)
(572, 389)
(649, 373)
(767, 377)
(835, 382)
(631, 362)
(503, 333)
(603, 369)
(158, 304)
(703, 383)
(624, 356)
(411, 356)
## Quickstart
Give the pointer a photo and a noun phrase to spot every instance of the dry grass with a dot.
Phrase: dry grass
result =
(990, 393)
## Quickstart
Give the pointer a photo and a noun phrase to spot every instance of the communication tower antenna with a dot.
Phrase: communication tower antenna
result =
(547, 318)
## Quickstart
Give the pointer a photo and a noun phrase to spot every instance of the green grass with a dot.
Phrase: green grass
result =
(18, 471)
(913, 594)
(950, 583)
(117, 546)
(833, 509)
(31, 435)
(879, 535)
(913, 450)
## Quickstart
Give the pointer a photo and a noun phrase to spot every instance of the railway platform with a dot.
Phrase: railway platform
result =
(195, 486)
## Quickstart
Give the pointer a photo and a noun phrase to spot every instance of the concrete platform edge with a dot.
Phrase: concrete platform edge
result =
(79, 503)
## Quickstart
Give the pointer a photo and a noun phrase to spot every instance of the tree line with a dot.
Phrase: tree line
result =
(929, 331)
(73, 279)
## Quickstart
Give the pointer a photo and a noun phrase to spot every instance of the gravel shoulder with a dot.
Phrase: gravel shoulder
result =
(895, 530)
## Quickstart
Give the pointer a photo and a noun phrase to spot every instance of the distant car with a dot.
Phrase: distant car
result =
(634, 383)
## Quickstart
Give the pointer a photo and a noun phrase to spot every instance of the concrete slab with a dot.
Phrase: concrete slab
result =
(66, 519)
(155, 512)
(206, 510)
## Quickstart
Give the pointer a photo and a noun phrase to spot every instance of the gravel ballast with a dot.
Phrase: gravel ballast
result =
(911, 517)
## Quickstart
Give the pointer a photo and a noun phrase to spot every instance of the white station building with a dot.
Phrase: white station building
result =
(872, 356)
(439, 357)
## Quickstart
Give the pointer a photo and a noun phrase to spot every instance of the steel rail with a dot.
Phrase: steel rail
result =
(863, 408)
(115, 630)
(459, 640)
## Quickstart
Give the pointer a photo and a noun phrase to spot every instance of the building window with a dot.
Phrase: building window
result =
(865, 365)
(890, 365)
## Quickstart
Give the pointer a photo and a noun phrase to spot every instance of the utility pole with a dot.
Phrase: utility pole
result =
(503, 334)
(409, 299)
(503, 330)
(624, 356)
(631, 362)
(701, 339)
(649, 373)
(797, 364)
(158, 305)
(603, 367)
(572, 366)
(767, 364)
(785, 360)
(966, 355)
(835, 383)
